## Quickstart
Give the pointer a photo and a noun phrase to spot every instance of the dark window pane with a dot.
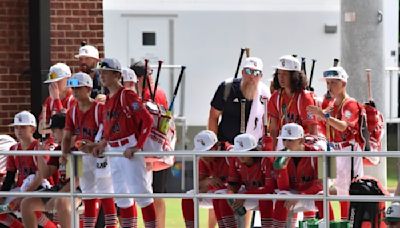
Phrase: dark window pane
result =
(149, 38)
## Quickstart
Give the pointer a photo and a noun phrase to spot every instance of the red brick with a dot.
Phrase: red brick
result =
(64, 27)
(78, 12)
(90, 5)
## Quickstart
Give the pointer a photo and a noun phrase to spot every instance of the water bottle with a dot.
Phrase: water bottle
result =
(241, 211)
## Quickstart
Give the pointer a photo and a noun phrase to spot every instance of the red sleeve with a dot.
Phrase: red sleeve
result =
(142, 118)
(350, 112)
(203, 169)
(306, 100)
(10, 164)
(314, 188)
(69, 124)
(234, 175)
(272, 108)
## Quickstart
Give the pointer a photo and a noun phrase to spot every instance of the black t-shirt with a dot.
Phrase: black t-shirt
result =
(229, 127)
(97, 88)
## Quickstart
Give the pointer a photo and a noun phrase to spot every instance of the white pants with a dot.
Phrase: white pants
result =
(343, 170)
(89, 182)
(130, 176)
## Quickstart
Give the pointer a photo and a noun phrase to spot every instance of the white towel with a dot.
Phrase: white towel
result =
(255, 121)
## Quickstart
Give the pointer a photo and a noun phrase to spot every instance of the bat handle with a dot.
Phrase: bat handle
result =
(368, 71)
(247, 50)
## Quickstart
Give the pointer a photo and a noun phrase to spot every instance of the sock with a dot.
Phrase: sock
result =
(90, 213)
(227, 214)
(266, 208)
(344, 209)
(149, 216)
(188, 212)
(128, 216)
(43, 221)
(217, 212)
(110, 213)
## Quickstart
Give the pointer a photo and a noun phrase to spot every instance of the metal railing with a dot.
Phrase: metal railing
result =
(325, 197)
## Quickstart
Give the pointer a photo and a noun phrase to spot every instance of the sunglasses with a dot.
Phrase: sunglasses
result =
(330, 73)
(290, 140)
(73, 82)
(249, 71)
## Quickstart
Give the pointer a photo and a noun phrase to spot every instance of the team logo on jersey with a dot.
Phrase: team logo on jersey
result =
(135, 106)
(347, 114)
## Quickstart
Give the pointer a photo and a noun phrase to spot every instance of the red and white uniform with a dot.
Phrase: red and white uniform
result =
(292, 109)
(127, 123)
(255, 179)
(347, 111)
(300, 176)
(54, 106)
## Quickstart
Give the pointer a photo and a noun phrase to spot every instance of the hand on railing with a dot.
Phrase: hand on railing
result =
(98, 148)
(130, 152)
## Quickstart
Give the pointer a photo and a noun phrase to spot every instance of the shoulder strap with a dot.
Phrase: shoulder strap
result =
(73, 114)
(69, 102)
(227, 88)
(96, 114)
(121, 97)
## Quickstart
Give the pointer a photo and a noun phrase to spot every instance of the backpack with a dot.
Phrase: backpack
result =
(362, 212)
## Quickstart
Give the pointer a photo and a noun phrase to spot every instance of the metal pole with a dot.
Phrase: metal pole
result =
(196, 191)
(325, 188)
(72, 188)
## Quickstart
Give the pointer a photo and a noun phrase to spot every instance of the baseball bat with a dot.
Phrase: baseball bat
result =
(247, 50)
(171, 106)
(146, 62)
(335, 62)
(370, 98)
(160, 62)
(242, 50)
(312, 75)
(303, 65)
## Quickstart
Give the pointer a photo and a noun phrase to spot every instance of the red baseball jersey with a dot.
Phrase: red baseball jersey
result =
(58, 105)
(257, 179)
(24, 165)
(291, 109)
(347, 111)
(83, 124)
(301, 174)
(124, 115)
(218, 167)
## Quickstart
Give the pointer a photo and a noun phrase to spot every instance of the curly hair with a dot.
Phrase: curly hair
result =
(298, 81)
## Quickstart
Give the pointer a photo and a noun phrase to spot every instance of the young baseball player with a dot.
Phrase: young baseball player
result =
(299, 175)
(288, 103)
(60, 98)
(213, 174)
(62, 206)
(341, 120)
(25, 167)
(127, 125)
(129, 79)
(83, 120)
(248, 175)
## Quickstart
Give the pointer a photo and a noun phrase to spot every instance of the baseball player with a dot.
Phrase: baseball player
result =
(157, 106)
(60, 98)
(129, 79)
(28, 178)
(297, 175)
(213, 174)
(83, 120)
(62, 206)
(288, 103)
(341, 120)
(127, 125)
(247, 175)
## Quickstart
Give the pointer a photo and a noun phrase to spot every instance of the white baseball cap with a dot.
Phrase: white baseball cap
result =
(244, 142)
(393, 212)
(253, 63)
(88, 51)
(58, 72)
(129, 75)
(24, 118)
(336, 73)
(205, 140)
(291, 131)
(80, 79)
(289, 63)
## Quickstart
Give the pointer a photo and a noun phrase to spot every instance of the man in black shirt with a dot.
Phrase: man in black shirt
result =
(240, 103)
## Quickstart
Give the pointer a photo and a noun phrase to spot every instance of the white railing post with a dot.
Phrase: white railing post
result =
(72, 188)
(325, 189)
(196, 190)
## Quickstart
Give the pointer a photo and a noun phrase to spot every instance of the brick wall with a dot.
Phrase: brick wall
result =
(71, 22)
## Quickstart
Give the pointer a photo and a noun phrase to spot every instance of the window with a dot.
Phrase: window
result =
(149, 39)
